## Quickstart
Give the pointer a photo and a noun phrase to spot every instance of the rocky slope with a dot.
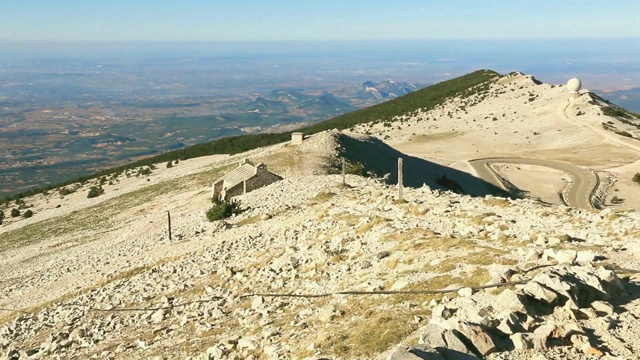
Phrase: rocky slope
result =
(316, 268)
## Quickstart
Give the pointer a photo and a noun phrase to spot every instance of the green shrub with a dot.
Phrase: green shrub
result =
(614, 112)
(95, 191)
(15, 212)
(355, 169)
(27, 214)
(66, 191)
(169, 164)
(624, 133)
(1, 216)
(223, 209)
(636, 178)
(144, 171)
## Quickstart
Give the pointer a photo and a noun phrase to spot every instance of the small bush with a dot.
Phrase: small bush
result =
(27, 214)
(95, 191)
(15, 212)
(66, 191)
(144, 171)
(355, 169)
(223, 209)
(636, 178)
(169, 164)
(1, 216)
(624, 133)
(616, 200)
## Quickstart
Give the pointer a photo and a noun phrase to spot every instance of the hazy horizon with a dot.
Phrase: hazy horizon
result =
(256, 20)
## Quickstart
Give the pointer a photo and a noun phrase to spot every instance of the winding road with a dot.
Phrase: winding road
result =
(577, 194)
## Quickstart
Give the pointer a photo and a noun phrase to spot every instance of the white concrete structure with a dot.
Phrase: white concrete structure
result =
(296, 138)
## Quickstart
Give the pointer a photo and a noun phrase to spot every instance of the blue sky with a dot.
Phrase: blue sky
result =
(308, 20)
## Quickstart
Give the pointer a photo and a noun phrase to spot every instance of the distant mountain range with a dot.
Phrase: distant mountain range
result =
(388, 89)
(628, 99)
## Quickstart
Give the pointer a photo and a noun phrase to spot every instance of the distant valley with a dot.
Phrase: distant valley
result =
(68, 111)
(50, 144)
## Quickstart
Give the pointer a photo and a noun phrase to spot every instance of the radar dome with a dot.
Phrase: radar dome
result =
(574, 85)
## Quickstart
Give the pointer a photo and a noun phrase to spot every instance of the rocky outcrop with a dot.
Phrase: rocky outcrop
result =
(561, 306)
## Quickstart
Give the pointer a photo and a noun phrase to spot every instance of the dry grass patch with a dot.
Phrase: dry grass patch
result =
(323, 196)
(366, 227)
(371, 325)
(413, 239)
(250, 220)
(498, 202)
(436, 136)
(447, 244)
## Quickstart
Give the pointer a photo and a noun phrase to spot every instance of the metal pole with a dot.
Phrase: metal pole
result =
(400, 179)
(169, 221)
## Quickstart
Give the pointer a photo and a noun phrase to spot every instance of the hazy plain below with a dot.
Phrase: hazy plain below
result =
(69, 108)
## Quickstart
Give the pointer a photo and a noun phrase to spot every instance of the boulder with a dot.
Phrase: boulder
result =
(444, 341)
(566, 256)
(585, 256)
(508, 300)
(522, 341)
(510, 323)
(416, 352)
(539, 292)
(480, 339)
(602, 307)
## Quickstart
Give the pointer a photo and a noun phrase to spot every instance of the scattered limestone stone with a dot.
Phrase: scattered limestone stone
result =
(479, 338)
(533, 255)
(539, 292)
(566, 256)
(416, 352)
(602, 307)
(585, 256)
(158, 315)
(327, 313)
(508, 300)
(548, 254)
(215, 352)
(399, 285)
(465, 292)
(443, 340)
(247, 342)
(257, 303)
(522, 341)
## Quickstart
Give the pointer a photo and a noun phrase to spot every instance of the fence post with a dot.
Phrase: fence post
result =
(169, 222)
(400, 179)
(344, 171)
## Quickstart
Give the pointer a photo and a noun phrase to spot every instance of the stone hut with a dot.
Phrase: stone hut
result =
(296, 138)
(243, 179)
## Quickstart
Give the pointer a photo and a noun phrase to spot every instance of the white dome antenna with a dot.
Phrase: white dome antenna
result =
(573, 86)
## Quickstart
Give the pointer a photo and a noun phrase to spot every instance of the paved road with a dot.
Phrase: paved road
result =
(577, 194)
